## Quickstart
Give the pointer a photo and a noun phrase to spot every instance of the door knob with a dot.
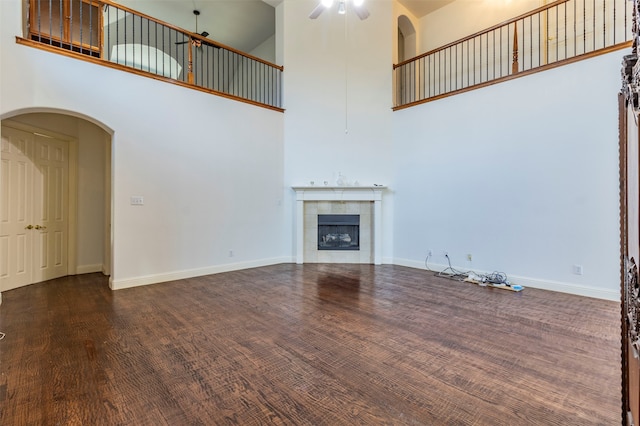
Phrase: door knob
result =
(28, 227)
(39, 227)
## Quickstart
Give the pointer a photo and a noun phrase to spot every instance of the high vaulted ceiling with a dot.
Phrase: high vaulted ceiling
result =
(421, 8)
(241, 24)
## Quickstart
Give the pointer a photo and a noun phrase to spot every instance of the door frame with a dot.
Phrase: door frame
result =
(72, 188)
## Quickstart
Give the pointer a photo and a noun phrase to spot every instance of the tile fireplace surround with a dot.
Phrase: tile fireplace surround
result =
(342, 195)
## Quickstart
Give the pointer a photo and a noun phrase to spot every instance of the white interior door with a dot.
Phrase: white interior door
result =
(34, 208)
(50, 204)
(16, 205)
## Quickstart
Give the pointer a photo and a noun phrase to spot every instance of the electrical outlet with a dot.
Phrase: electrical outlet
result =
(577, 269)
(230, 253)
(429, 253)
(445, 253)
(137, 200)
(469, 257)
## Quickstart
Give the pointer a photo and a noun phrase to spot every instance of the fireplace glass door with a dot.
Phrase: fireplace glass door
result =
(338, 232)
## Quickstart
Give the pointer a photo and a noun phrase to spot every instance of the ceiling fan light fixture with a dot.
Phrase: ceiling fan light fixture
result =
(358, 7)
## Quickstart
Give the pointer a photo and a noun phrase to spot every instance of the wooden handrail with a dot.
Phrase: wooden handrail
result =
(113, 65)
(485, 31)
(620, 46)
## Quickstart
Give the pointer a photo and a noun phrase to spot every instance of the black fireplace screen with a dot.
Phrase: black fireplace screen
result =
(338, 232)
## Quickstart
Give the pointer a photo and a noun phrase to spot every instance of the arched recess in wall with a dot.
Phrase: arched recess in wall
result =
(85, 201)
(406, 39)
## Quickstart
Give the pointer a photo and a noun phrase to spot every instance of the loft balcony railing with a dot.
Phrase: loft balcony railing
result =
(558, 33)
(119, 36)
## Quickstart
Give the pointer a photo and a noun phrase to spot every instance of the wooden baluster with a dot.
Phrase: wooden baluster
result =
(514, 65)
(190, 73)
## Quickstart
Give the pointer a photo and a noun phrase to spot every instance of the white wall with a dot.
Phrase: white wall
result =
(92, 202)
(210, 169)
(522, 175)
(334, 83)
(465, 17)
(266, 50)
(90, 180)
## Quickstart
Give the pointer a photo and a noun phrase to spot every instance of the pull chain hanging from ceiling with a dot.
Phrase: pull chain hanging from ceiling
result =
(346, 74)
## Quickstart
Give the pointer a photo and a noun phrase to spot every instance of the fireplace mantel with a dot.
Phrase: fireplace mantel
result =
(340, 193)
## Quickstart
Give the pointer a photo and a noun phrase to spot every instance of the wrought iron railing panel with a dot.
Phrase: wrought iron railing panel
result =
(560, 31)
(70, 24)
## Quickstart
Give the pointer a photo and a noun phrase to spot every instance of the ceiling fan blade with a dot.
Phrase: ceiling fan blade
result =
(317, 11)
(362, 12)
(203, 34)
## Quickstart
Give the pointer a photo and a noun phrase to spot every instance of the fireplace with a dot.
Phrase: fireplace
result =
(364, 201)
(338, 232)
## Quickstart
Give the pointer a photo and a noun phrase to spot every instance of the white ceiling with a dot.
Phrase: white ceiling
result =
(421, 8)
(241, 24)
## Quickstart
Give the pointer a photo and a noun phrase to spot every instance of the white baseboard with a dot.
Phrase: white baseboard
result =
(414, 264)
(558, 286)
(562, 287)
(191, 273)
(88, 269)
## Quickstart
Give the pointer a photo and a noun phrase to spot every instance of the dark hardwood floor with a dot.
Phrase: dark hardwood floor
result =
(306, 345)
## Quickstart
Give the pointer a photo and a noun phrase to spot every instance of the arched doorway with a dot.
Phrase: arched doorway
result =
(406, 39)
(406, 48)
(55, 198)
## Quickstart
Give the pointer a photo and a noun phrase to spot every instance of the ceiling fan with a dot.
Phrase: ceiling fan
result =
(194, 41)
(358, 8)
